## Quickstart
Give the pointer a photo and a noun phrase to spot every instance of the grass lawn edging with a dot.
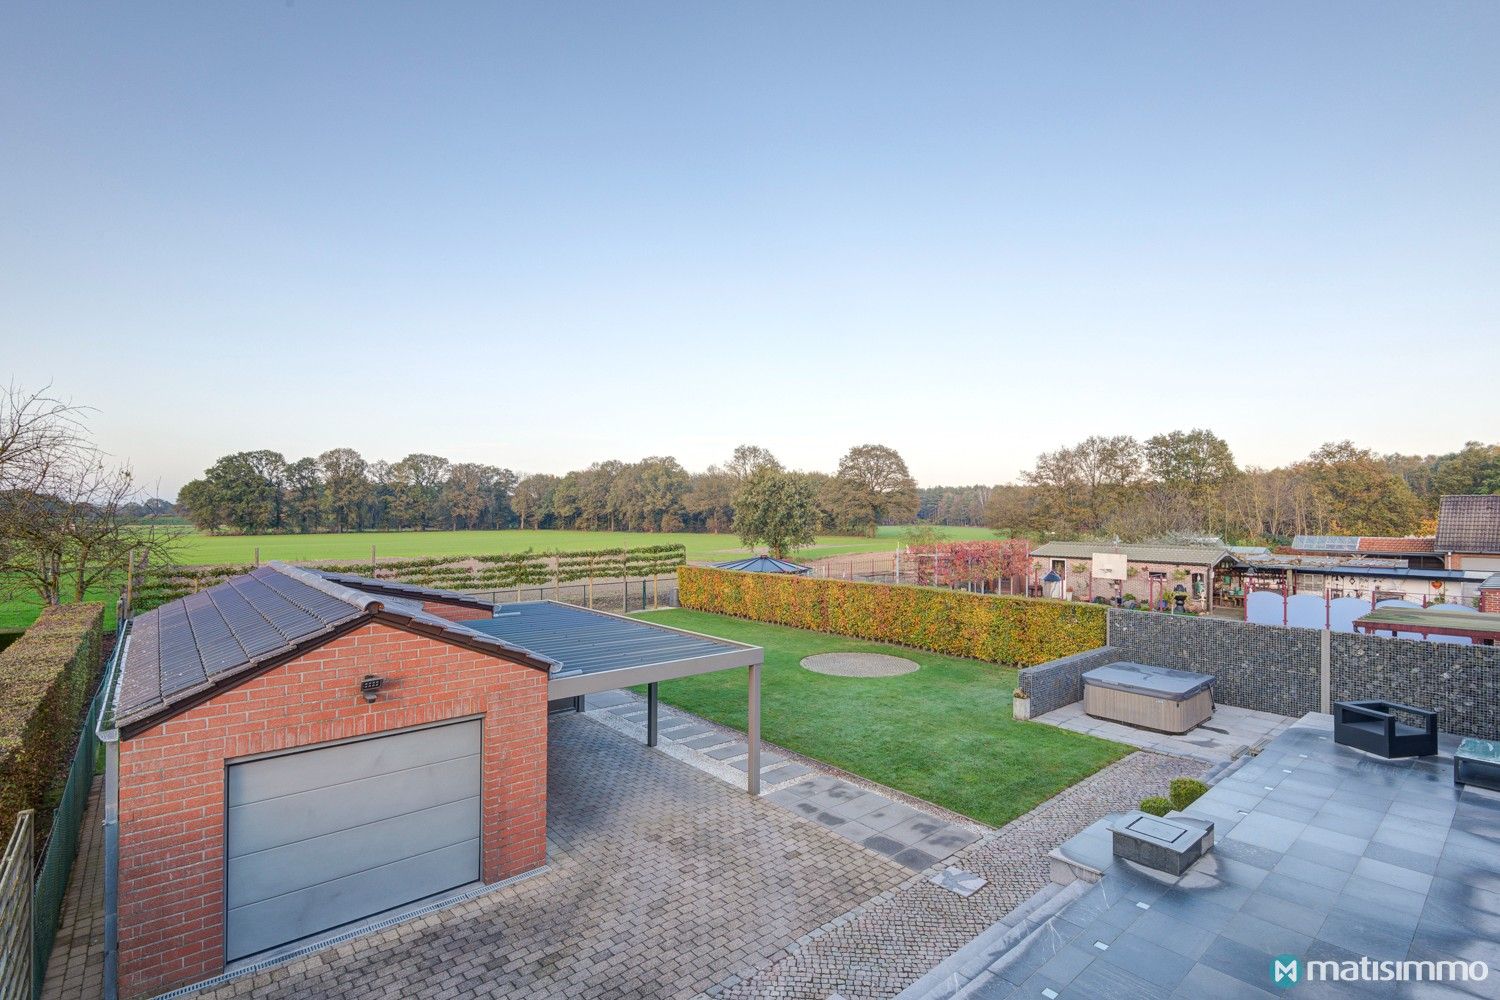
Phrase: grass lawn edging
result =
(1020, 631)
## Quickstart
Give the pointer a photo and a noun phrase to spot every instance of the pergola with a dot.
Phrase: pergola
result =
(600, 651)
(764, 564)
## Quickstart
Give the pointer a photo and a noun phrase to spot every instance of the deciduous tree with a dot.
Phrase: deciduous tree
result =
(775, 509)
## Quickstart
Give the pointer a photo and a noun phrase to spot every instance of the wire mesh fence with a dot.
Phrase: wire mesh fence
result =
(957, 572)
(62, 841)
(622, 596)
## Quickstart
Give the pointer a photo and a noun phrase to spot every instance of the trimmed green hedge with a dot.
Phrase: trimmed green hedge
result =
(499, 571)
(46, 678)
(1023, 631)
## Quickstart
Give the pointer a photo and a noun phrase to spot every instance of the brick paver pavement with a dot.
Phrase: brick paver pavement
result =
(662, 881)
(75, 970)
(890, 942)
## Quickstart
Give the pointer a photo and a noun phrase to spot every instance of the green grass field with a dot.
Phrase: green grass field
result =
(196, 548)
(944, 733)
(23, 607)
(201, 548)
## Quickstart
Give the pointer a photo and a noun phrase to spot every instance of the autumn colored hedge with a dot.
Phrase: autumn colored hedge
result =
(46, 678)
(1023, 631)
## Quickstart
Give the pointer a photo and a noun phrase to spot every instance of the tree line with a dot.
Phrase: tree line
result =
(257, 492)
(1189, 483)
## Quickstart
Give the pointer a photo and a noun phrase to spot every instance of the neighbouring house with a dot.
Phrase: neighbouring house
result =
(1373, 579)
(1468, 532)
(295, 753)
(1415, 552)
(1149, 573)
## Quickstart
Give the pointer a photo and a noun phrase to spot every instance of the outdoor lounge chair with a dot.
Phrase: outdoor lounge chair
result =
(1372, 726)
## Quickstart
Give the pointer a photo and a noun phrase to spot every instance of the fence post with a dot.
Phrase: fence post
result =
(1325, 675)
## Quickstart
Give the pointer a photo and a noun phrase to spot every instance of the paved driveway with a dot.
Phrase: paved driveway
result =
(662, 882)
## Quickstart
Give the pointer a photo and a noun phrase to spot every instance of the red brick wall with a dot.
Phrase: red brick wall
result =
(1489, 600)
(171, 875)
(455, 612)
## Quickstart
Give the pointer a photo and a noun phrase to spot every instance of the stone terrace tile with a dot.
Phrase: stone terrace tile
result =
(1396, 863)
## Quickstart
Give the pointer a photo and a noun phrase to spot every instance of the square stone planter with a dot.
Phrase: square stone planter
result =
(1021, 707)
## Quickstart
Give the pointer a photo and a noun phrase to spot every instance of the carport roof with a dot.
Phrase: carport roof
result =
(597, 651)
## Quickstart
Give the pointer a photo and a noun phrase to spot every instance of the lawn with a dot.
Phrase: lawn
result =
(944, 733)
(23, 607)
(201, 548)
(196, 548)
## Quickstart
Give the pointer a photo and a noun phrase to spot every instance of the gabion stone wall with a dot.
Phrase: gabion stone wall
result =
(1268, 668)
(1056, 683)
(1462, 683)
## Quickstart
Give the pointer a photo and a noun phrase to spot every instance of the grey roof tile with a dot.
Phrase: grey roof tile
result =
(209, 638)
(1468, 524)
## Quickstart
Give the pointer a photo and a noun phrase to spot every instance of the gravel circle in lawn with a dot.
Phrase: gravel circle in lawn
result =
(859, 664)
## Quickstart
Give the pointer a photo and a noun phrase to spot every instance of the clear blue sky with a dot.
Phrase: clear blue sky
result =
(556, 233)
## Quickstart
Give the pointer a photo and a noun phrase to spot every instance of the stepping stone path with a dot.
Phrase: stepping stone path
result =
(906, 835)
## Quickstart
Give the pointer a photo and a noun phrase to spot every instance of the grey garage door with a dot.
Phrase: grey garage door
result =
(318, 838)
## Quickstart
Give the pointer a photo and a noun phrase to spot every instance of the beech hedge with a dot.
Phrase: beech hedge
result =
(46, 678)
(1021, 631)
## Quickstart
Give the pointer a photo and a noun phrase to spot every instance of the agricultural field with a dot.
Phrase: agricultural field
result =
(197, 548)
(19, 609)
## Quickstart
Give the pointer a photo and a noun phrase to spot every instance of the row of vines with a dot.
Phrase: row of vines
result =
(154, 586)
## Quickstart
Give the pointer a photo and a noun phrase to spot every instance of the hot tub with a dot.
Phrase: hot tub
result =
(1159, 698)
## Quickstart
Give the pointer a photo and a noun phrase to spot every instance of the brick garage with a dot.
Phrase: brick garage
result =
(249, 683)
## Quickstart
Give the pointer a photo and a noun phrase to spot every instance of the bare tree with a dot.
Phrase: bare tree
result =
(78, 534)
(37, 431)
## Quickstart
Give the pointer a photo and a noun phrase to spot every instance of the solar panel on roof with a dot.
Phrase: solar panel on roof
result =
(588, 642)
(1327, 543)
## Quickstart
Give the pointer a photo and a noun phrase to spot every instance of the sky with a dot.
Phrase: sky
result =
(545, 234)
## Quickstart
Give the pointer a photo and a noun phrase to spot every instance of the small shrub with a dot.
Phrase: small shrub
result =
(1156, 805)
(1186, 791)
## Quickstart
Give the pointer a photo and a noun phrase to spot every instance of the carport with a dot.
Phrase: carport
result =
(598, 651)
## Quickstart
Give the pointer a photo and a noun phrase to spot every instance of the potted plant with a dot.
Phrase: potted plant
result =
(1021, 704)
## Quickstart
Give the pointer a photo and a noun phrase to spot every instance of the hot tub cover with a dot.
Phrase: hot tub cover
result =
(1142, 678)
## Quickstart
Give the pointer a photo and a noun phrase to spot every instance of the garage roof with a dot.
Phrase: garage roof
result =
(192, 647)
(598, 651)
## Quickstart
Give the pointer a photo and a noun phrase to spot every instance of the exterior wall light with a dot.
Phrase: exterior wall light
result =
(370, 688)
